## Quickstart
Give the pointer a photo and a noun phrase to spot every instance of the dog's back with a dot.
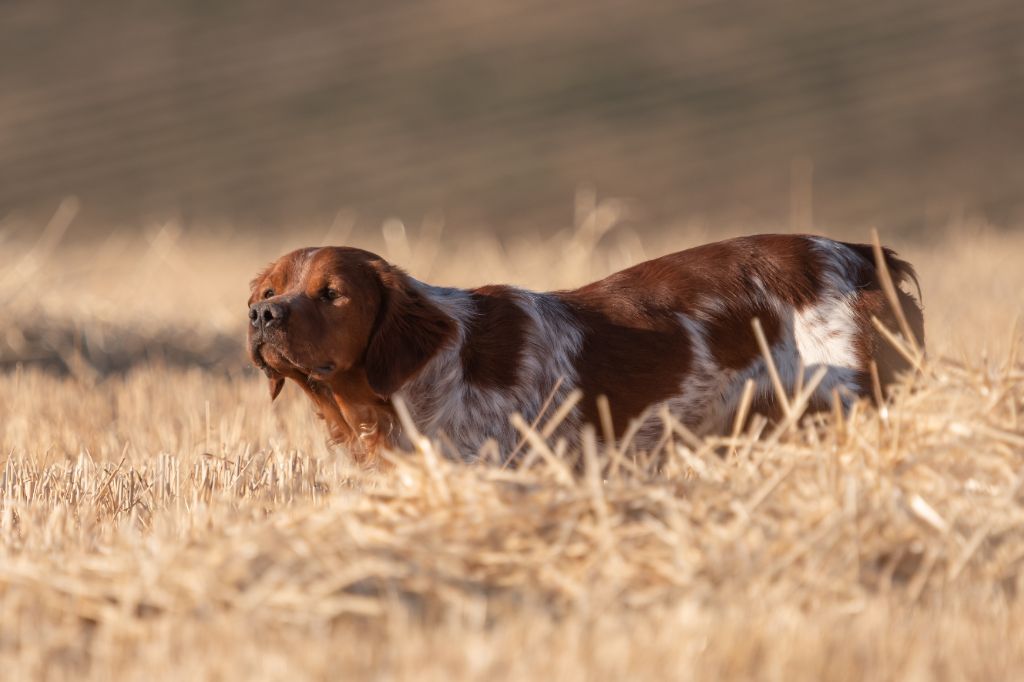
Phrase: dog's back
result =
(678, 329)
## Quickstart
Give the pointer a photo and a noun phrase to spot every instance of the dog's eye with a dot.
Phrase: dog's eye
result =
(268, 293)
(329, 294)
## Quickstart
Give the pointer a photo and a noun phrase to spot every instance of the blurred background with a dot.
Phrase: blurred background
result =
(154, 156)
(262, 115)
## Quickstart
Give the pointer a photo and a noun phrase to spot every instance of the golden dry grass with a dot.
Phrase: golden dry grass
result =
(169, 522)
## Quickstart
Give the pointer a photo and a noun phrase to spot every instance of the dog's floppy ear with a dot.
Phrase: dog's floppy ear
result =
(410, 330)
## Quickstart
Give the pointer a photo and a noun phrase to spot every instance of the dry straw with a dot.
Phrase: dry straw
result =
(170, 523)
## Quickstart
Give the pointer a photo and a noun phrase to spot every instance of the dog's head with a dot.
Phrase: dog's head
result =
(319, 313)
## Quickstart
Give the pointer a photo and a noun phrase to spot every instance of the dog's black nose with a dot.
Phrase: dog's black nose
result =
(268, 314)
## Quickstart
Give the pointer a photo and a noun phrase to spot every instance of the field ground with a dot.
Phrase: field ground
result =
(159, 518)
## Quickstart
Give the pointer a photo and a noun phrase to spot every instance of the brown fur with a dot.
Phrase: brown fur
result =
(409, 330)
(495, 338)
(633, 356)
(638, 308)
(358, 329)
(348, 353)
(872, 302)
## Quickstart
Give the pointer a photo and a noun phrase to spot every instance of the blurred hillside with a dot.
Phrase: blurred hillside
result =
(900, 114)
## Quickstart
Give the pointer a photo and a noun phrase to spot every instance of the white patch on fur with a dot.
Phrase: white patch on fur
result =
(827, 331)
(709, 308)
(435, 395)
(822, 334)
(307, 263)
(825, 335)
(443, 403)
(553, 342)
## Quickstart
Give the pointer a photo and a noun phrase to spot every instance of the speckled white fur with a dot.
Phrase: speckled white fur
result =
(440, 401)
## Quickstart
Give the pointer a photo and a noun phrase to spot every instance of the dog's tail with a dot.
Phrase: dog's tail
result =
(901, 272)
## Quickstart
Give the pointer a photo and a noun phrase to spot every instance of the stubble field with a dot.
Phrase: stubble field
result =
(160, 518)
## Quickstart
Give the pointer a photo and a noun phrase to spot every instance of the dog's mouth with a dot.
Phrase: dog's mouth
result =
(268, 358)
(258, 360)
(281, 363)
(273, 359)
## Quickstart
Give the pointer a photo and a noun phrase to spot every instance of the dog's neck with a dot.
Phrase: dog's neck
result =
(365, 423)
(355, 416)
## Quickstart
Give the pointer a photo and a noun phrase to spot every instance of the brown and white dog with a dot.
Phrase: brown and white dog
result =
(355, 331)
